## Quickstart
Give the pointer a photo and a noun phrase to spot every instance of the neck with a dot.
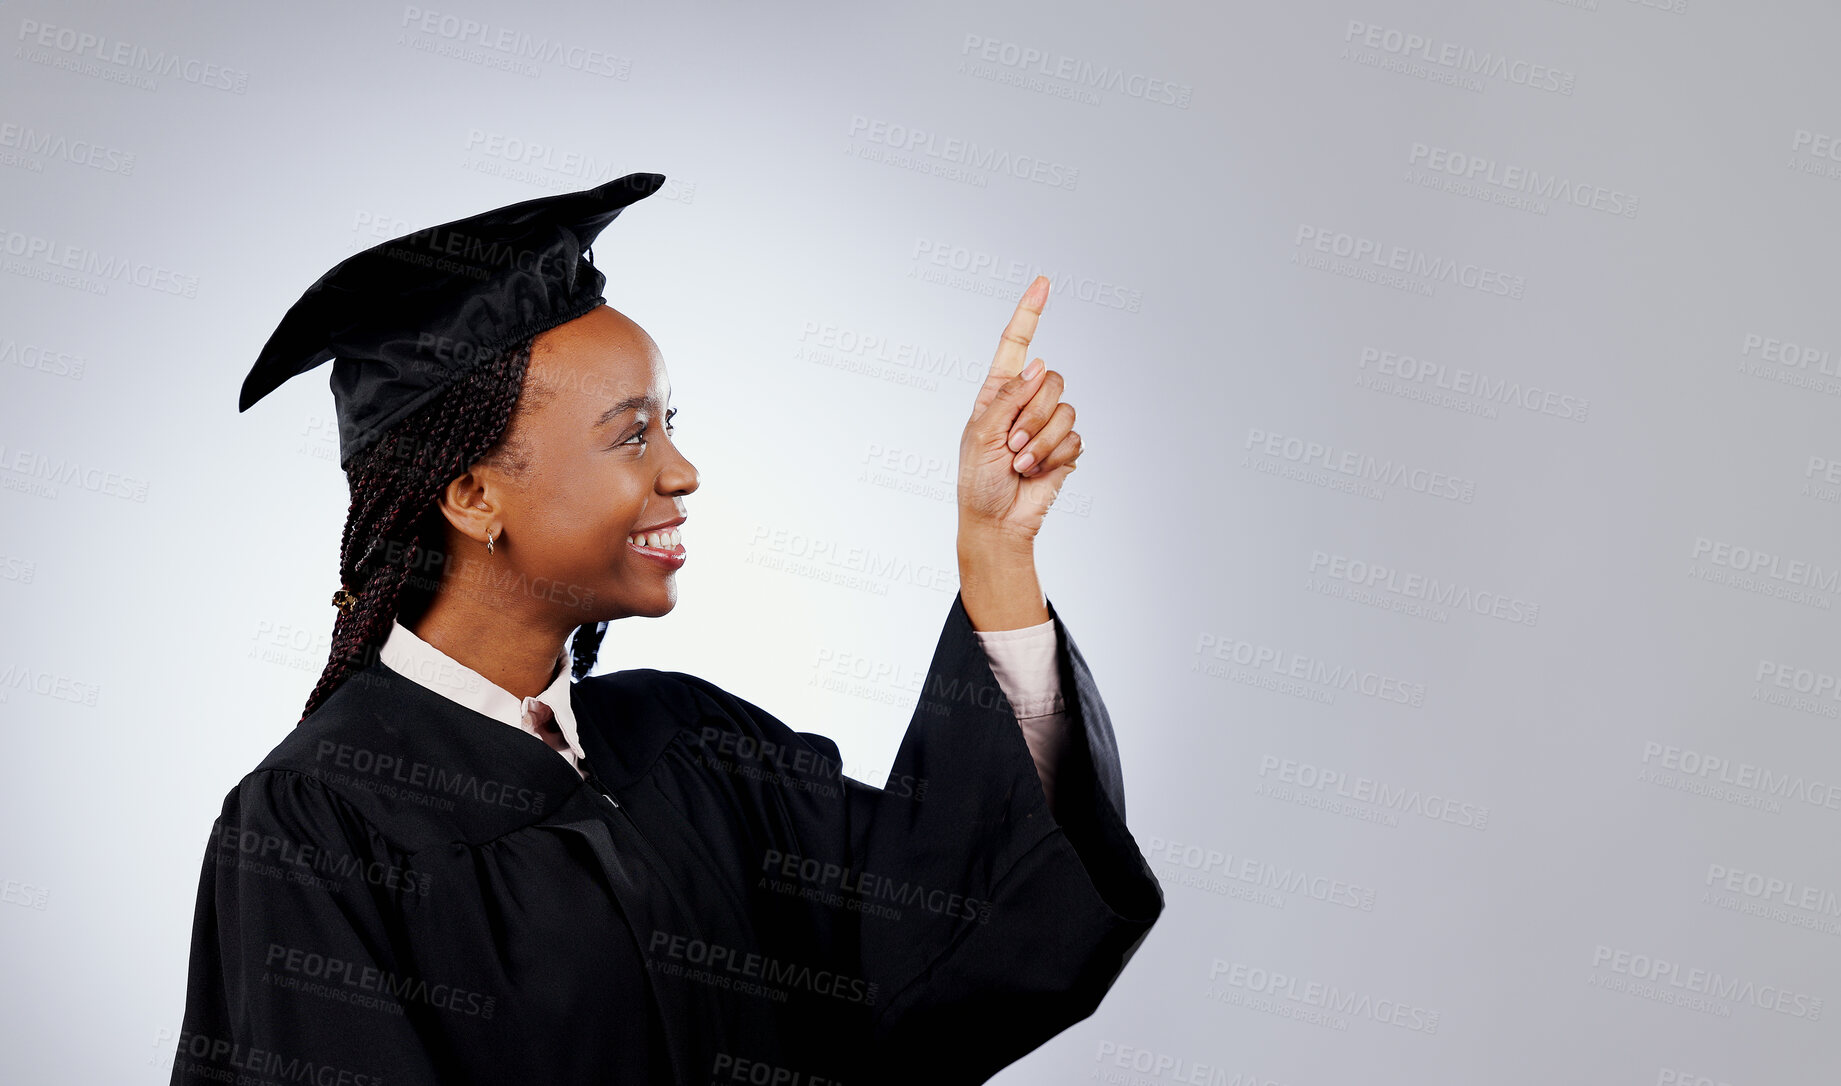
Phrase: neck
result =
(513, 650)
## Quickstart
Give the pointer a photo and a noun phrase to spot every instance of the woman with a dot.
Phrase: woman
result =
(408, 891)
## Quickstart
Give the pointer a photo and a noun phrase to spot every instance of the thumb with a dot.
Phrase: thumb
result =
(999, 415)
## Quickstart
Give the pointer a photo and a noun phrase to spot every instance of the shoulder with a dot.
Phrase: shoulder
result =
(678, 702)
(678, 699)
(413, 767)
(281, 810)
(645, 690)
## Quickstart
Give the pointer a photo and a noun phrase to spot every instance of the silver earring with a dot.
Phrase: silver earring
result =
(489, 541)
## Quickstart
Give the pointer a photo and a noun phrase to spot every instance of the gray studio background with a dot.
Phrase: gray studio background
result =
(1455, 544)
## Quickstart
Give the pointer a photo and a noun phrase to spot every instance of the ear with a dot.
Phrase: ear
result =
(470, 506)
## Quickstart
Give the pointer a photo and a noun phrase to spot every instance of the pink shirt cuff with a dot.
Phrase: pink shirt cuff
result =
(1026, 664)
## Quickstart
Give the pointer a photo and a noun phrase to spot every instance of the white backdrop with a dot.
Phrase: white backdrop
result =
(1455, 544)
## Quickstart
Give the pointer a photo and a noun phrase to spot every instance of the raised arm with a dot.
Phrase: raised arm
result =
(1018, 447)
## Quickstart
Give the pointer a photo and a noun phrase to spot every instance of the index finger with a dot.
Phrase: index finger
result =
(1013, 348)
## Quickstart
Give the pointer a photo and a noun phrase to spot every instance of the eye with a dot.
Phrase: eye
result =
(641, 435)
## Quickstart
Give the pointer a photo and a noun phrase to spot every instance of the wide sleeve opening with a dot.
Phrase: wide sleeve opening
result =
(952, 889)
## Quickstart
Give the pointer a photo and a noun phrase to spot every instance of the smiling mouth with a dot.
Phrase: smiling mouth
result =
(664, 547)
(670, 539)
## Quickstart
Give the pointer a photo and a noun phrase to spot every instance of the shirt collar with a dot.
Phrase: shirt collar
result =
(415, 659)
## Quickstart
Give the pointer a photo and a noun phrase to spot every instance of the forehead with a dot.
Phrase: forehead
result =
(593, 363)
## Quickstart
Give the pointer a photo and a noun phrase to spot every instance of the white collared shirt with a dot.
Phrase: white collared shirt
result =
(416, 659)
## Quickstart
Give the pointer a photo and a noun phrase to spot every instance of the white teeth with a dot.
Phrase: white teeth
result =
(664, 540)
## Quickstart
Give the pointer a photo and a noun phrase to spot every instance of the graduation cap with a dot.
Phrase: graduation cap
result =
(407, 318)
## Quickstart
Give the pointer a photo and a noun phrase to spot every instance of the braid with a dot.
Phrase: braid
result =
(391, 552)
(584, 647)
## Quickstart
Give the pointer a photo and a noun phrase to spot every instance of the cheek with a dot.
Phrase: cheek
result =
(590, 510)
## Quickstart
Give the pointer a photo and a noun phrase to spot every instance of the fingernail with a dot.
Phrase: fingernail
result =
(1032, 369)
(1023, 461)
(1019, 439)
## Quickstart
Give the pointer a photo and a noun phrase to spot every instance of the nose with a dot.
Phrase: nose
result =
(679, 476)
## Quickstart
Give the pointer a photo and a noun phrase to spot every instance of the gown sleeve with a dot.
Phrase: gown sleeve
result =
(288, 970)
(984, 924)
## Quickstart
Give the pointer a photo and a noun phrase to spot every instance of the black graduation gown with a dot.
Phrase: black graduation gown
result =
(406, 891)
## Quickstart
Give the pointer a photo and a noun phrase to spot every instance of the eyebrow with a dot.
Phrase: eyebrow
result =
(621, 408)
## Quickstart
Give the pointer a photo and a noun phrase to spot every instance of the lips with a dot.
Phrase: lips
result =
(670, 556)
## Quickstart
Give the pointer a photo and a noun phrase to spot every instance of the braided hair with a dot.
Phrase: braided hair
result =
(392, 550)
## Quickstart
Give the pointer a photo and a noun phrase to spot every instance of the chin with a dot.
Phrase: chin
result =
(657, 607)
